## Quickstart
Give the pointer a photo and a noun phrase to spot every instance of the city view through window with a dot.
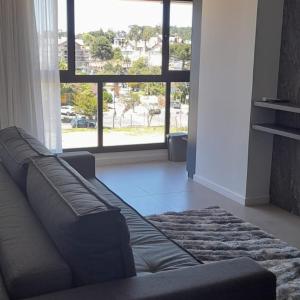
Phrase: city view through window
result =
(124, 38)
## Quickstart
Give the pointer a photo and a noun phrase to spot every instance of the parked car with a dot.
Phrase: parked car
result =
(83, 123)
(67, 110)
(154, 111)
(176, 104)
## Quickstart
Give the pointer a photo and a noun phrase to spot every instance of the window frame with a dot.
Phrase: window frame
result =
(167, 76)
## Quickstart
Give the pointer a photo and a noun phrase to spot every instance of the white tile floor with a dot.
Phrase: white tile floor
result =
(157, 187)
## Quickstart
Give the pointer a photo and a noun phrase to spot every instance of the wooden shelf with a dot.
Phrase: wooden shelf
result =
(288, 132)
(283, 106)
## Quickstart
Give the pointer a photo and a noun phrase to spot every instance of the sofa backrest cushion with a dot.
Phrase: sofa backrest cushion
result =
(16, 147)
(90, 234)
(29, 261)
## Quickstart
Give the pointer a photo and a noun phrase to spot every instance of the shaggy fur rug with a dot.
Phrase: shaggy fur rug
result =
(213, 234)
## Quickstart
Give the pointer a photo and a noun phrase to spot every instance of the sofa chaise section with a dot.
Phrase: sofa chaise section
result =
(64, 235)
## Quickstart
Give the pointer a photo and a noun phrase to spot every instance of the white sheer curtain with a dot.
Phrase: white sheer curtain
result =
(29, 76)
(20, 92)
(47, 28)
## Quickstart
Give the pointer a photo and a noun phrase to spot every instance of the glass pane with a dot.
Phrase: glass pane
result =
(62, 35)
(79, 108)
(180, 35)
(118, 37)
(179, 111)
(133, 113)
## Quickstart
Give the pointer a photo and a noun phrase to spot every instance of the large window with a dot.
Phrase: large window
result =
(134, 113)
(124, 72)
(118, 37)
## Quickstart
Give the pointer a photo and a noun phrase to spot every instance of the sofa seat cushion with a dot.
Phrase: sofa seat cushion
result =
(153, 251)
(16, 147)
(30, 263)
(90, 234)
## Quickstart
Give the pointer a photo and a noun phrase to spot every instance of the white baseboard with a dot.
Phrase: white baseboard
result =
(220, 189)
(129, 157)
(246, 201)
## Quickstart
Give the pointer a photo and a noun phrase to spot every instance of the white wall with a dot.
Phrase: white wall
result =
(226, 72)
(228, 81)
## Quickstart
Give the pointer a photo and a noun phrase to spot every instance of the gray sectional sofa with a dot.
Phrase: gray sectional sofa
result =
(65, 235)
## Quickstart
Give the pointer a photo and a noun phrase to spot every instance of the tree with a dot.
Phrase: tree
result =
(147, 33)
(67, 92)
(135, 33)
(85, 101)
(88, 39)
(181, 52)
(141, 67)
(107, 98)
(97, 33)
(101, 48)
(132, 101)
(154, 88)
(181, 92)
(118, 54)
(135, 86)
(67, 88)
(185, 33)
(110, 35)
(62, 64)
(111, 68)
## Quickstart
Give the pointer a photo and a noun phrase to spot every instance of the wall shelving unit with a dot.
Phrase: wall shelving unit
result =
(283, 106)
(289, 132)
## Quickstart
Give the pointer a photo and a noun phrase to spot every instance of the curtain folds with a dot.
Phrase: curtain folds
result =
(46, 13)
(20, 92)
(29, 76)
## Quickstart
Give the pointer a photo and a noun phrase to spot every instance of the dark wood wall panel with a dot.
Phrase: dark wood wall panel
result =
(285, 176)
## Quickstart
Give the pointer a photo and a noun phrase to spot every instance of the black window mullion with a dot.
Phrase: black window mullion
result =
(100, 114)
(166, 35)
(71, 36)
(172, 76)
(168, 101)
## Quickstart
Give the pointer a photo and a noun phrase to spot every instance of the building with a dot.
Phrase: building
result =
(82, 54)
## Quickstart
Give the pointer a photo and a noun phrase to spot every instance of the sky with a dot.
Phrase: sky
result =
(120, 14)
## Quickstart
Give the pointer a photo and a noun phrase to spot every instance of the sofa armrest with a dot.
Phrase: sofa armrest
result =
(227, 280)
(82, 161)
